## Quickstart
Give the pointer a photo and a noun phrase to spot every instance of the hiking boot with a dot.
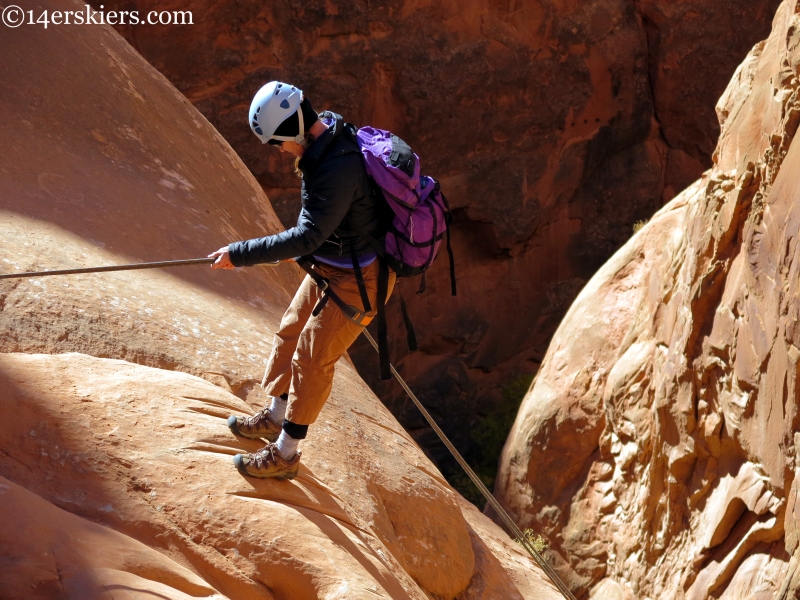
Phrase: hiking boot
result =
(255, 427)
(267, 463)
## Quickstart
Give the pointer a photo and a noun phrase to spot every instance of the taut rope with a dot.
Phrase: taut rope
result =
(521, 537)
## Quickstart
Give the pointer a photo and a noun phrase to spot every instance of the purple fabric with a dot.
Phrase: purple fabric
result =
(376, 146)
(327, 118)
(345, 262)
(419, 221)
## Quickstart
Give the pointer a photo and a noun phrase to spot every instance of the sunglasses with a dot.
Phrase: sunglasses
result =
(272, 142)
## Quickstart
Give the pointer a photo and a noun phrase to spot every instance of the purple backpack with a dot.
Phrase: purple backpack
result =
(420, 213)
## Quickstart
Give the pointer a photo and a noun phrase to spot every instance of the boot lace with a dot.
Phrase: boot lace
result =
(256, 418)
(265, 456)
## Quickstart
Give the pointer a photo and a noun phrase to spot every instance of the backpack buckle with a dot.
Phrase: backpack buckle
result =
(358, 316)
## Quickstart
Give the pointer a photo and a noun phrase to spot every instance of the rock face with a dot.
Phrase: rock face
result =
(115, 461)
(554, 125)
(145, 453)
(657, 448)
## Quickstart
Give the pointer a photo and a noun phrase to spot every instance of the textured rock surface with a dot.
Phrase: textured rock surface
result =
(146, 453)
(116, 477)
(657, 448)
(51, 553)
(553, 124)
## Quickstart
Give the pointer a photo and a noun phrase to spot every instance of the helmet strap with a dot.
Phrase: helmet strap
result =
(301, 137)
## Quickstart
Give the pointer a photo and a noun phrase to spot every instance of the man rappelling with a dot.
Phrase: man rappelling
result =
(340, 219)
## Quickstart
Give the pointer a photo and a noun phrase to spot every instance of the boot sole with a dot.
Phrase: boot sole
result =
(234, 427)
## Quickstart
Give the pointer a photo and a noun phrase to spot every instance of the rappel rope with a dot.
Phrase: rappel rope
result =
(506, 518)
(521, 537)
(133, 267)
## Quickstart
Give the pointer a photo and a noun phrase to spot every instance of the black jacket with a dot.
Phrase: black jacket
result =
(338, 204)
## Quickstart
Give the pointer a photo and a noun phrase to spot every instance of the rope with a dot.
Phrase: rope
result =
(521, 537)
(150, 265)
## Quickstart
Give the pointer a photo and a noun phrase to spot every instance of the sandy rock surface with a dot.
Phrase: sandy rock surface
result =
(146, 453)
(115, 463)
(657, 448)
(554, 126)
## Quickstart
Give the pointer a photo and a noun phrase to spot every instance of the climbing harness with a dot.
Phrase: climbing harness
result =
(358, 317)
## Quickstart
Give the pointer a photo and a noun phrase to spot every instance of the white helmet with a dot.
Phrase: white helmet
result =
(271, 106)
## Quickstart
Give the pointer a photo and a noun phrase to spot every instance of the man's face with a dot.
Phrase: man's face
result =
(292, 148)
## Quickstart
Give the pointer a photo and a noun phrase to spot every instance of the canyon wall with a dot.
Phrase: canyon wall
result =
(657, 448)
(554, 126)
(116, 475)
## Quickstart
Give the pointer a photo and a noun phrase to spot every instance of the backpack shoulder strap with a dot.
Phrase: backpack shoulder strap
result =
(411, 335)
(383, 343)
(362, 290)
(449, 221)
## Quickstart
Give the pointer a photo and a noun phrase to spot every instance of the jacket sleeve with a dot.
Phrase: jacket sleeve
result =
(325, 205)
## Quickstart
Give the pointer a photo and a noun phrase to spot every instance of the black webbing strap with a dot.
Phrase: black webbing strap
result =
(320, 305)
(380, 249)
(383, 343)
(351, 312)
(452, 264)
(448, 219)
(362, 289)
(411, 335)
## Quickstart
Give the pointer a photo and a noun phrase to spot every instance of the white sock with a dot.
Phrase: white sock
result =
(287, 446)
(277, 409)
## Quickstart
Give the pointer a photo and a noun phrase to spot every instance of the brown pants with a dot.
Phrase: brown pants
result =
(306, 348)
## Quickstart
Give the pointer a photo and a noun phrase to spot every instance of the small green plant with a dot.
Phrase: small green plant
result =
(486, 441)
(534, 539)
(492, 431)
(638, 226)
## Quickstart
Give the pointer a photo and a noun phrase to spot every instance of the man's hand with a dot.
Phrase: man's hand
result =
(223, 259)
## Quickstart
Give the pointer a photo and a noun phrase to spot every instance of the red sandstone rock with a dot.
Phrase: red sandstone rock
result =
(657, 448)
(117, 477)
(554, 126)
(52, 553)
